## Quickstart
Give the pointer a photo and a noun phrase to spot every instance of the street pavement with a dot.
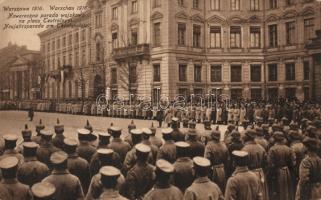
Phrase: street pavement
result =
(12, 122)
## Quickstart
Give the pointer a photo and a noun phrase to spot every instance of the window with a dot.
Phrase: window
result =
(58, 44)
(98, 52)
(306, 92)
(70, 39)
(83, 35)
(156, 73)
(290, 93)
(235, 37)
(83, 57)
(134, 37)
(53, 45)
(255, 34)
(180, 2)
(290, 33)
(236, 93)
(115, 13)
(182, 72)
(76, 89)
(255, 5)
(308, 29)
(256, 94)
(235, 4)
(196, 36)
(64, 60)
(255, 73)
(290, 2)
(216, 73)
(183, 92)
(289, 71)
(64, 41)
(114, 40)
(76, 37)
(113, 76)
(236, 73)
(70, 59)
(76, 59)
(273, 4)
(197, 73)
(134, 6)
(48, 46)
(273, 72)
(273, 36)
(306, 70)
(215, 4)
(133, 73)
(215, 37)
(157, 37)
(157, 3)
(198, 91)
(273, 93)
(195, 4)
(181, 34)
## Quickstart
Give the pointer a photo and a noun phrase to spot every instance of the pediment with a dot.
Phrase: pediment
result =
(20, 61)
(134, 21)
(181, 15)
(307, 11)
(216, 19)
(236, 20)
(254, 19)
(197, 18)
(272, 18)
(289, 14)
(156, 15)
(114, 27)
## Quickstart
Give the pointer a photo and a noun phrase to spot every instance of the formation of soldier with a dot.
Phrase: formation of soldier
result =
(270, 159)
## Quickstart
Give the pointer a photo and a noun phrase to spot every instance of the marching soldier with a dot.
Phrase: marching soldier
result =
(85, 149)
(196, 147)
(104, 140)
(153, 139)
(43, 191)
(117, 144)
(46, 148)
(109, 177)
(58, 140)
(218, 154)
(183, 173)
(147, 133)
(243, 184)
(31, 170)
(281, 162)
(163, 188)
(309, 186)
(26, 136)
(68, 186)
(37, 138)
(168, 150)
(10, 187)
(140, 178)
(202, 188)
(75, 164)
(10, 142)
(177, 135)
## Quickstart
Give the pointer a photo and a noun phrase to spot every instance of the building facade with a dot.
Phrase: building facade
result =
(251, 49)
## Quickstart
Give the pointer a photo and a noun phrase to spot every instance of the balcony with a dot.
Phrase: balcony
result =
(140, 52)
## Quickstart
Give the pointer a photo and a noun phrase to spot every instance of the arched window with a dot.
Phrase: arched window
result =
(98, 52)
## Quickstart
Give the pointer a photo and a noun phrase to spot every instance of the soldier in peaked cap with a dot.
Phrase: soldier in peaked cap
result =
(183, 175)
(202, 187)
(140, 178)
(117, 144)
(177, 135)
(43, 191)
(227, 136)
(26, 136)
(76, 165)
(58, 140)
(91, 137)
(147, 133)
(260, 139)
(37, 138)
(309, 185)
(68, 186)
(168, 150)
(153, 139)
(197, 148)
(31, 170)
(243, 184)
(9, 148)
(85, 149)
(163, 188)
(46, 148)
(218, 154)
(109, 177)
(281, 162)
(12, 188)
(104, 139)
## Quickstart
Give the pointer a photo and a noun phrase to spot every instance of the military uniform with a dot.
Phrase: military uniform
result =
(9, 148)
(43, 191)
(196, 147)
(117, 144)
(58, 140)
(37, 138)
(46, 148)
(168, 150)
(26, 135)
(85, 149)
(177, 135)
(153, 139)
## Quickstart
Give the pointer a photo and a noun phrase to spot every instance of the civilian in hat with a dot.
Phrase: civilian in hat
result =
(10, 187)
(153, 139)
(85, 149)
(309, 185)
(58, 140)
(68, 186)
(128, 138)
(218, 154)
(37, 138)
(140, 178)
(10, 142)
(163, 188)
(243, 184)
(197, 148)
(260, 139)
(31, 170)
(105, 157)
(177, 135)
(104, 139)
(77, 165)
(109, 177)
(26, 136)
(46, 148)
(147, 133)
(168, 150)
(202, 188)
(43, 191)
(281, 162)
(257, 159)
(183, 173)
(117, 144)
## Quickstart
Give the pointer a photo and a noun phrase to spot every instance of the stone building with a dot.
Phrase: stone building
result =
(251, 49)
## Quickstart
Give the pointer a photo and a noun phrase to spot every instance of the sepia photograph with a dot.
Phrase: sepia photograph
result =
(160, 100)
